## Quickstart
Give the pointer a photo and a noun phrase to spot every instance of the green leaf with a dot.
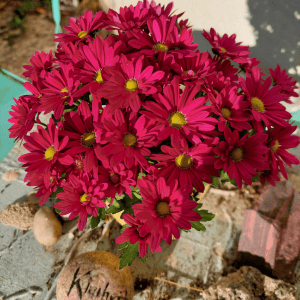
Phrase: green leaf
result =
(198, 207)
(198, 226)
(215, 182)
(224, 176)
(256, 178)
(192, 197)
(233, 181)
(124, 245)
(90, 97)
(128, 255)
(94, 221)
(206, 216)
(186, 230)
(143, 259)
(141, 175)
(113, 210)
(59, 189)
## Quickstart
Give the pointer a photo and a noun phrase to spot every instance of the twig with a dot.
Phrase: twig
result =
(171, 282)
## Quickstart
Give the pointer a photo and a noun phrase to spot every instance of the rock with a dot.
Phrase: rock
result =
(46, 227)
(270, 239)
(11, 175)
(248, 283)
(95, 274)
(19, 215)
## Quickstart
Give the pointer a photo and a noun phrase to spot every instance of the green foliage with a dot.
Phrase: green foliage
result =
(215, 182)
(96, 220)
(225, 178)
(128, 255)
(206, 216)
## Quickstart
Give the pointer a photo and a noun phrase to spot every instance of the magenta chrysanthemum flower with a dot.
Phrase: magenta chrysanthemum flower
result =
(264, 101)
(132, 234)
(22, 119)
(41, 64)
(190, 166)
(231, 108)
(241, 157)
(128, 81)
(118, 179)
(281, 78)
(158, 39)
(194, 67)
(79, 127)
(250, 64)
(61, 88)
(129, 139)
(165, 208)
(81, 197)
(76, 167)
(96, 56)
(225, 66)
(80, 30)
(181, 116)
(280, 139)
(47, 185)
(129, 18)
(270, 175)
(45, 150)
(226, 47)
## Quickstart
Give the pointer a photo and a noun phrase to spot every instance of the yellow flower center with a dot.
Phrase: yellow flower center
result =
(226, 113)
(223, 49)
(160, 47)
(257, 104)
(237, 154)
(183, 161)
(64, 90)
(186, 72)
(275, 146)
(88, 139)
(82, 34)
(40, 95)
(83, 198)
(177, 120)
(78, 164)
(49, 153)
(131, 85)
(129, 140)
(163, 208)
(98, 77)
(115, 178)
(51, 179)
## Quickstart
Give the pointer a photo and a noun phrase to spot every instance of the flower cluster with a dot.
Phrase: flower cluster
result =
(147, 102)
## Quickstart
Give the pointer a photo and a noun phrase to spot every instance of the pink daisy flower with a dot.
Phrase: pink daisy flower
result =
(41, 65)
(231, 108)
(158, 37)
(129, 18)
(225, 66)
(157, 10)
(270, 175)
(226, 47)
(282, 79)
(22, 119)
(190, 166)
(250, 64)
(81, 197)
(129, 139)
(118, 179)
(132, 234)
(45, 150)
(165, 208)
(194, 67)
(127, 81)
(264, 101)
(181, 116)
(280, 139)
(79, 128)
(61, 89)
(96, 56)
(47, 185)
(80, 29)
(241, 157)
(76, 166)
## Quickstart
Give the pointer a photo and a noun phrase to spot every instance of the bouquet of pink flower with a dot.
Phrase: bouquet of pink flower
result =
(143, 121)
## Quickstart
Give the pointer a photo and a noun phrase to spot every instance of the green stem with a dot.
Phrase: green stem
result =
(40, 123)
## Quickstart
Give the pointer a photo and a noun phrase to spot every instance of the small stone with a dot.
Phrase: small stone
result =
(19, 215)
(11, 175)
(71, 235)
(46, 227)
(96, 275)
